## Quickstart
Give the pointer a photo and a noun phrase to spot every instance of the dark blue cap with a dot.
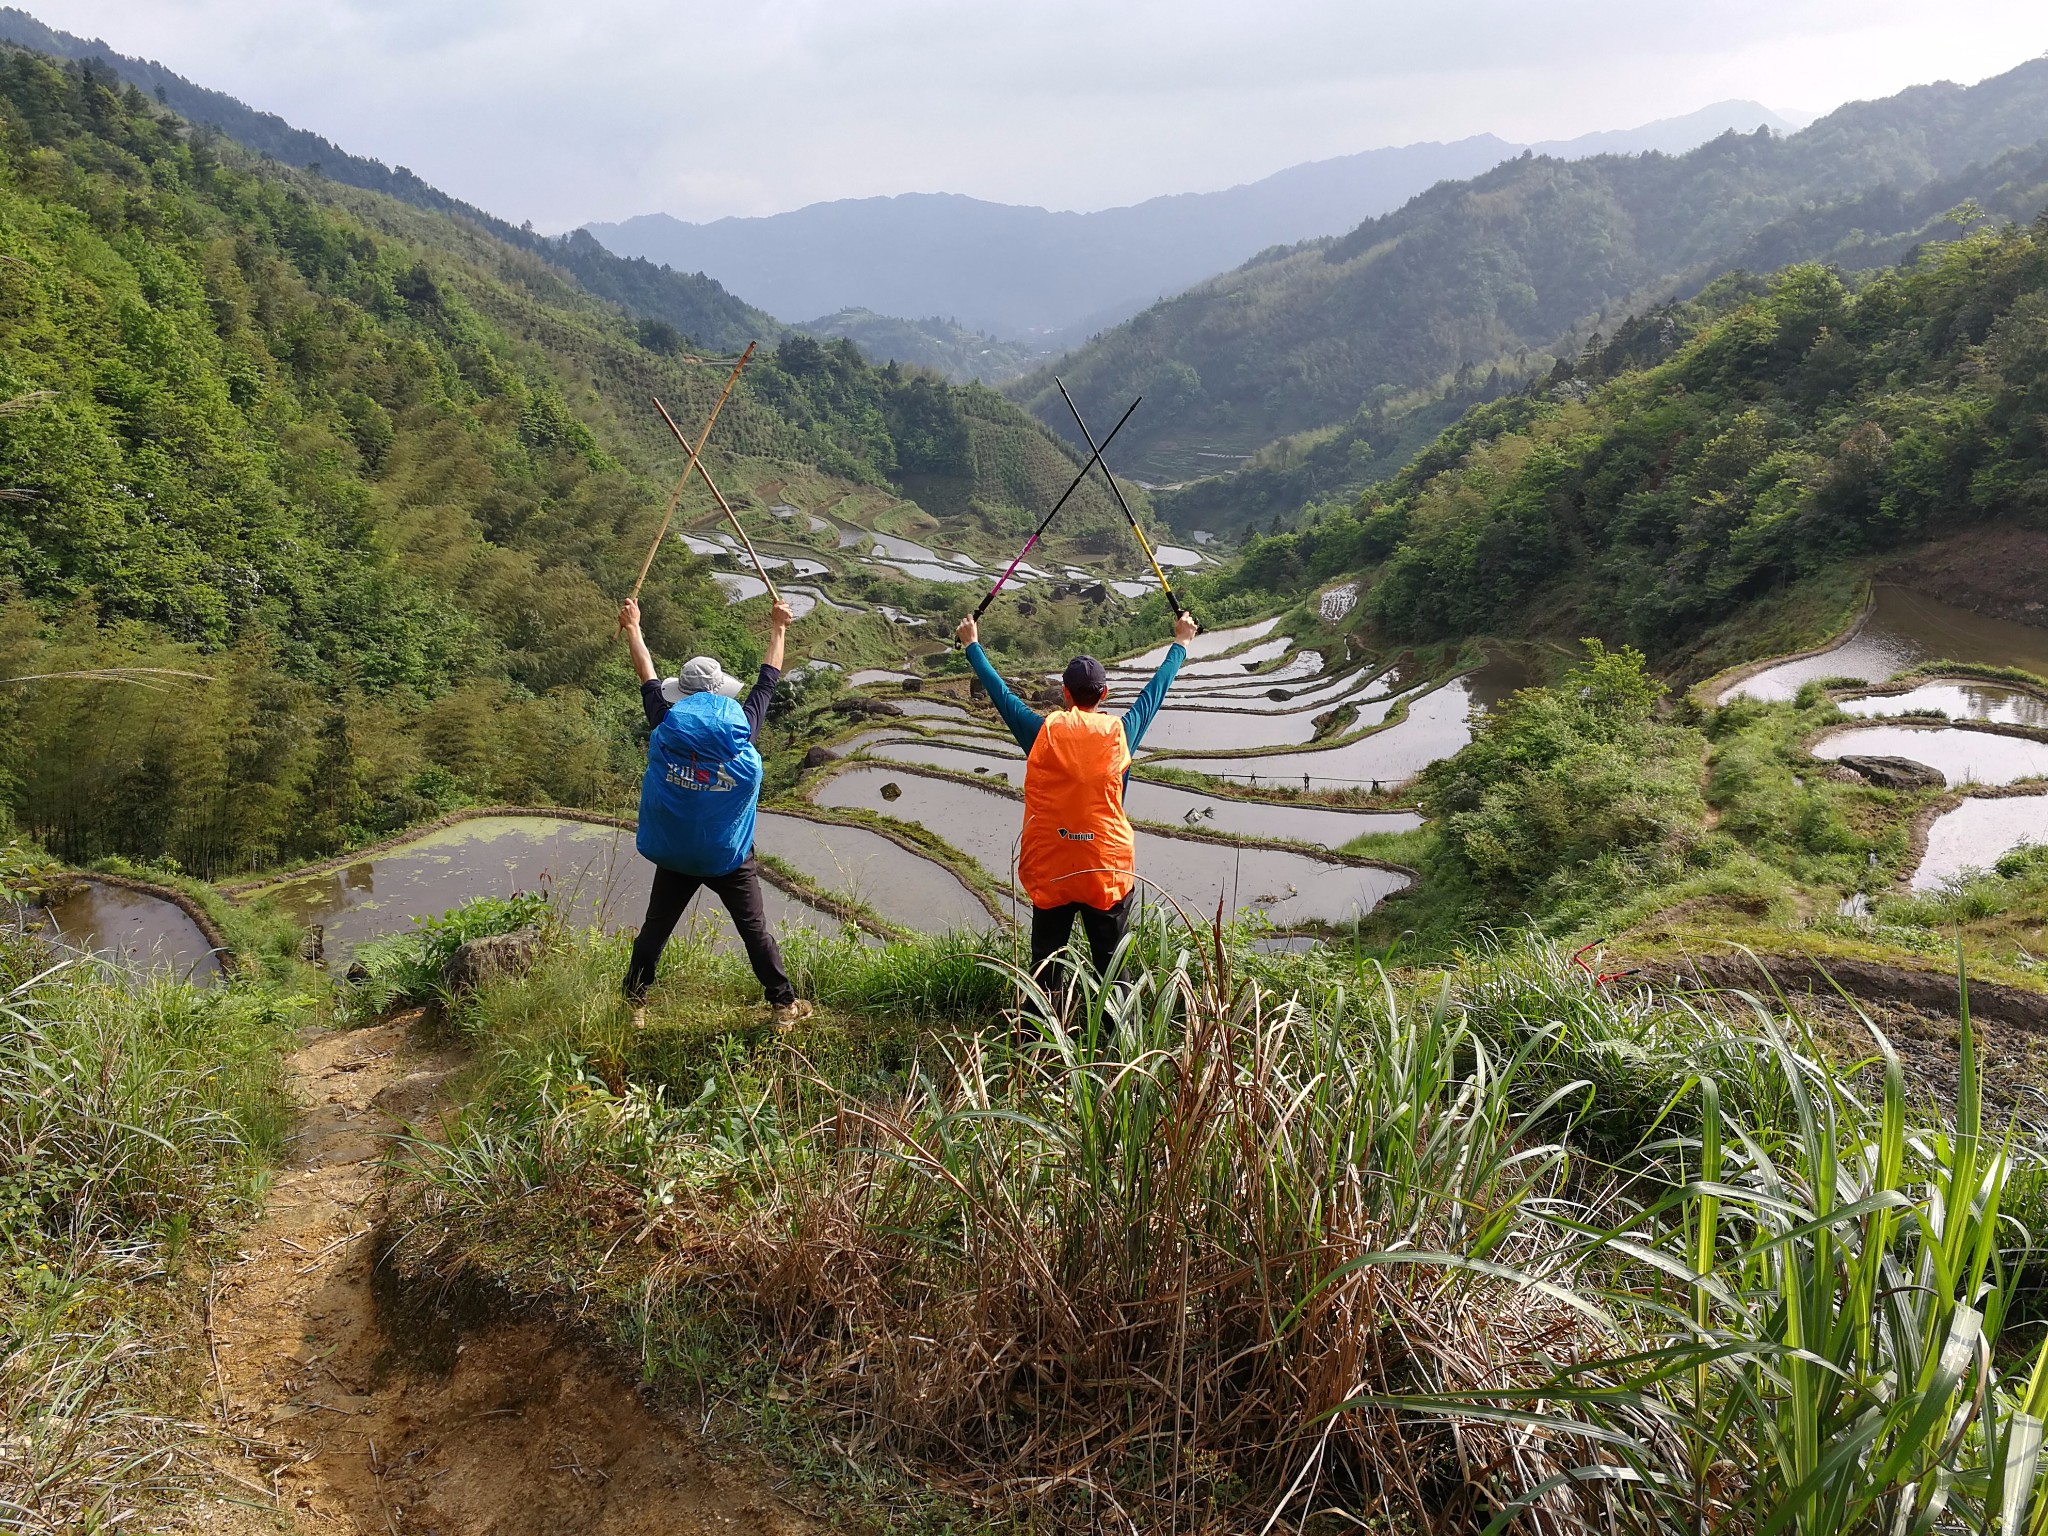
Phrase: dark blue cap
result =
(1085, 680)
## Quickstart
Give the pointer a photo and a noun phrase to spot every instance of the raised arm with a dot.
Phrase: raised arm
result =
(763, 691)
(1020, 717)
(1138, 718)
(629, 621)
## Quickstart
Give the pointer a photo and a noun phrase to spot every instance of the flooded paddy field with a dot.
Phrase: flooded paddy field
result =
(1955, 699)
(1325, 825)
(132, 929)
(1210, 730)
(592, 872)
(932, 709)
(1289, 887)
(1211, 643)
(1960, 756)
(1169, 804)
(1437, 724)
(1904, 630)
(1978, 833)
(902, 887)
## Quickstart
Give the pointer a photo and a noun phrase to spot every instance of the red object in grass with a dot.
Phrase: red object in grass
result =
(1600, 978)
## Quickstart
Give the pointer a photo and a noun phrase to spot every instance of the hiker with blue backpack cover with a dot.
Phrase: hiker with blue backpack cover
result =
(697, 803)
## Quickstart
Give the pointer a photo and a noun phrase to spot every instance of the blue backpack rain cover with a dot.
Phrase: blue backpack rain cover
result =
(703, 780)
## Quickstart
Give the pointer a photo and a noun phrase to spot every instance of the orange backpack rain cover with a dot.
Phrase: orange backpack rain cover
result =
(1077, 843)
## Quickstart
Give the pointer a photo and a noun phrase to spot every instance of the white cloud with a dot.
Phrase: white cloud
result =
(612, 107)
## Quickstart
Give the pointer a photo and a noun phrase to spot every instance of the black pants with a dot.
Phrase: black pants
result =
(1051, 927)
(741, 893)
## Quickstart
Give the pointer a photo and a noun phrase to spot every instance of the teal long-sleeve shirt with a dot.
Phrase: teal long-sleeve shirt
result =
(1024, 721)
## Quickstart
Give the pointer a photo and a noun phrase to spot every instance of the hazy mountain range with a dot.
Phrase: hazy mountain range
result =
(1507, 269)
(1053, 278)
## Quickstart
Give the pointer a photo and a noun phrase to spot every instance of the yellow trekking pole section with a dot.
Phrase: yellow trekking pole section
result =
(1117, 491)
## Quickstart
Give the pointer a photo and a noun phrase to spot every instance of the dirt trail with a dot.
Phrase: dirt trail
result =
(368, 1413)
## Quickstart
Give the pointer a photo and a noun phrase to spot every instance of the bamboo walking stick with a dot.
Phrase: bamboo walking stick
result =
(1117, 491)
(766, 581)
(683, 484)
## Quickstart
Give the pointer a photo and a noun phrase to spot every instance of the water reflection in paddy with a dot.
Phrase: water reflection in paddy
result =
(1290, 887)
(1213, 643)
(1170, 805)
(1437, 724)
(592, 871)
(1903, 630)
(1242, 662)
(932, 709)
(1991, 702)
(1257, 695)
(1960, 756)
(1209, 730)
(959, 758)
(1978, 833)
(1320, 824)
(905, 888)
(132, 929)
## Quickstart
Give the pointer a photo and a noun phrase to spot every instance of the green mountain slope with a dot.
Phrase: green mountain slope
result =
(382, 477)
(1878, 228)
(1495, 270)
(694, 304)
(935, 343)
(1715, 454)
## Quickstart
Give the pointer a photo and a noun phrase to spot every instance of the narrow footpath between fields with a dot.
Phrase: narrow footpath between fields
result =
(368, 1411)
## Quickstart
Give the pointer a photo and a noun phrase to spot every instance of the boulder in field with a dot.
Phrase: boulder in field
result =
(1894, 772)
(477, 961)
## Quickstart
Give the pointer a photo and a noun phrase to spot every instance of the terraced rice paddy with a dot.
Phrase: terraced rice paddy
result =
(1978, 833)
(901, 887)
(1290, 888)
(1956, 699)
(1904, 630)
(1437, 724)
(1960, 756)
(592, 871)
(131, 929)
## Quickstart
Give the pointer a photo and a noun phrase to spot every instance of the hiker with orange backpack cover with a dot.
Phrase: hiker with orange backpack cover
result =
(1077, 856)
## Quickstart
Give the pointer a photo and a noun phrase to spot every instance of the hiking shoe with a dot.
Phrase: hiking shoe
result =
(789, 1014)
(639, 1015)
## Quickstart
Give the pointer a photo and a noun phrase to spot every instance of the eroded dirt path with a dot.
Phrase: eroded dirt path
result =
(369, 1413)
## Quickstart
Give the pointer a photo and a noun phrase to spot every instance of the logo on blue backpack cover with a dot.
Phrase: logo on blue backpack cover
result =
(717, 778)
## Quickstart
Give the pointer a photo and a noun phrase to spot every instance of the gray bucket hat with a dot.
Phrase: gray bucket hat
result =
(700, 674)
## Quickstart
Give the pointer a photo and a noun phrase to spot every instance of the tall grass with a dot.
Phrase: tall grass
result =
(1821, 1316)
(1495, 1248)
(134, 1119)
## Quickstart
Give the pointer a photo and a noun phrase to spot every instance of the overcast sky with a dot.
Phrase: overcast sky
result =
(599, 109)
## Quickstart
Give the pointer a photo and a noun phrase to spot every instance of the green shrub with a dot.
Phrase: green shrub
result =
(405, 969)
(1570, 794)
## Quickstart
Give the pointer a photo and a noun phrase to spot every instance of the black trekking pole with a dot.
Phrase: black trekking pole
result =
(1032, 542)
(1116, 490)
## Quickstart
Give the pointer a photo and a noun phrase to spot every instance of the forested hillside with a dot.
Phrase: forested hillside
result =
(1713, 453)
(378, 475)
(692, 303)
(1494, 272)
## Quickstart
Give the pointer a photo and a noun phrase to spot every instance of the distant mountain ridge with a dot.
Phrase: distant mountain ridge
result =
(1054, 278)
(693, 304)
(1501, 270)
